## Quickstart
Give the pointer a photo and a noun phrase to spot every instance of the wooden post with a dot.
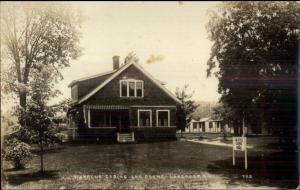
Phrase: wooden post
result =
(132, 136)
(110, 118)
(246, 163)
(244, 128)
(233, 157)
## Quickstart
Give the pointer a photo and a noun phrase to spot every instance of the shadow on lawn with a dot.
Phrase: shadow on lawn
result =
(56, 149)
(277, 169)
(20, 178)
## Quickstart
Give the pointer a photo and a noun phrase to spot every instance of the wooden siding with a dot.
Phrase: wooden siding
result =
(134, 114)
(110, 94)
(84, 87)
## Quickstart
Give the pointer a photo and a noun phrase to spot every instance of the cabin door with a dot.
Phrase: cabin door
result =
(120, 119)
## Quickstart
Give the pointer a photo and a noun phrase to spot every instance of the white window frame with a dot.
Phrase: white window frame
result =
(138, 116)
(135, 89)
(165, 110)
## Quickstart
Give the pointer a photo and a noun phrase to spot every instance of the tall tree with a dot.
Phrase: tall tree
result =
(255, 46)
(186, 108)
(35, 35)
(38, 115)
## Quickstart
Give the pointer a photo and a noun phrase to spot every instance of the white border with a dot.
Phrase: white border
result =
(138, 117)
(153, 106)
(157, 111)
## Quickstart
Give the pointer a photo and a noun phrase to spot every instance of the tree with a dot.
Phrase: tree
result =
(38, 115)
(186, 108)
(34, 36)
(255, 46)
(131, 57)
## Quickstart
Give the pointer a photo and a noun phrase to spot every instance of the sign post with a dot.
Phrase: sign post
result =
(239, 144)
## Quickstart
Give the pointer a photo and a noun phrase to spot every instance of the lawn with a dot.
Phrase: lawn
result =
(172, 165)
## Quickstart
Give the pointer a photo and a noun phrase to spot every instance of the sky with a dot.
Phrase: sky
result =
(172, 31)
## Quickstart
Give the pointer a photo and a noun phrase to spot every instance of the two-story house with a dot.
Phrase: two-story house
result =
(125, 104)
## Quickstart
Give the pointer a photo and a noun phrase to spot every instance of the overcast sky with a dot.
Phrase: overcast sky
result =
(173, 31)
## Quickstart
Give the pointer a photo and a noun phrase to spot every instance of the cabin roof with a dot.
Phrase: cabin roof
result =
(206, 119)
(106, 77)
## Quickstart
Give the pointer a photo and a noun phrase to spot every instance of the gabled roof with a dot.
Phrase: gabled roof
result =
(90, 77)
(204, 119)
(118, 72)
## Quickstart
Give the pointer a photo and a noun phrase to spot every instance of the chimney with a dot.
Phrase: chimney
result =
(116, 63)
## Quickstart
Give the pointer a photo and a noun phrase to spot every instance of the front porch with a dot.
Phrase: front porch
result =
(125, 123)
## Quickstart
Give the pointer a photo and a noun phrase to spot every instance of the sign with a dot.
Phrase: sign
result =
(239, 144)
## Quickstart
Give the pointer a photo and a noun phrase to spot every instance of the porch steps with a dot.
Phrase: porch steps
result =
(125, 137)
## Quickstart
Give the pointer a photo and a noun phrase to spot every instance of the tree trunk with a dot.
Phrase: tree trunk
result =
(23, 99)
(42, 154)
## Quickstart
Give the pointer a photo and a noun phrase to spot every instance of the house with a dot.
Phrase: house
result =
(125, 104)
(207, 125)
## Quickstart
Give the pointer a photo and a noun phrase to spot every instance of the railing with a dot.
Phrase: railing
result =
(125, 137)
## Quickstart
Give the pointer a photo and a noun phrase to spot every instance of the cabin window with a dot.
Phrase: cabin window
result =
(144, 118)
(194, 125)
(163, 118)
(210, 124)
(131, 88)
(139, 89)
(123, 88)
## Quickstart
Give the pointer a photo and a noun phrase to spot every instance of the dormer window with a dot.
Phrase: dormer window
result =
(131, 88)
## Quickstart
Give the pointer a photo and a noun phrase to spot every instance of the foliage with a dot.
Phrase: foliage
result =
(255, 46)
(131, 57)
(17, 152)
(186, 108)
(36, 36)
(205, 109)
(38, 117)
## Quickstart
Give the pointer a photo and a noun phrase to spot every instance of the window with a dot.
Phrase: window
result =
(123, 88)
(131, 88)
(144, 118)
(163, 118)
(210, 124)
(139, 89)
(194, 125)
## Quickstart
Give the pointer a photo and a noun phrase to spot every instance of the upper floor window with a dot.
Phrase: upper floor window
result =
(131, 88)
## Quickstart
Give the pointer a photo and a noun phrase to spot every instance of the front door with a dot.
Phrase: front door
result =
(120, 119)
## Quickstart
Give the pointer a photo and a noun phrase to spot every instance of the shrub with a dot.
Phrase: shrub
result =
(62, 137)
(17, 152)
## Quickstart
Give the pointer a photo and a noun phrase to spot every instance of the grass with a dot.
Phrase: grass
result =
(171, 165)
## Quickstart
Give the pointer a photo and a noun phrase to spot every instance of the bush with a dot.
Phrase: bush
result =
(61, 137)
(17, 152)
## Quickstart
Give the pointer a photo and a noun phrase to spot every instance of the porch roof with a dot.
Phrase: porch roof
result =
(106, 107)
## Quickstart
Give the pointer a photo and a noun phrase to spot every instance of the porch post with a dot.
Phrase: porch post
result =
(110, 118)
(89, 117)
(120, 122)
